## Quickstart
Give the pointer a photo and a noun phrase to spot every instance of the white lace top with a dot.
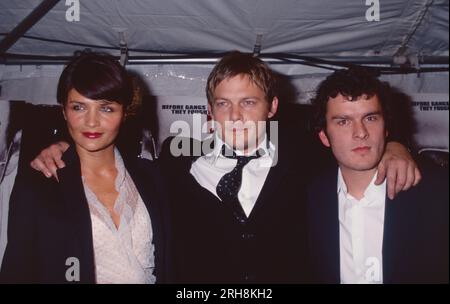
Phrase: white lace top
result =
(124, 254)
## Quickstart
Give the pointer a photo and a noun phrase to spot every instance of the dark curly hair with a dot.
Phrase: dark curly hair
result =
(351, 83)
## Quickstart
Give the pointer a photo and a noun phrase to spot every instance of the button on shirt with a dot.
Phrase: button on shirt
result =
(361, 225)
(209, 169)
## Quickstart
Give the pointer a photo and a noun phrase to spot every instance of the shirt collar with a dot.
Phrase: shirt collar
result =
(341, 186)
(372, 194)
(120, 166)
(267, 148)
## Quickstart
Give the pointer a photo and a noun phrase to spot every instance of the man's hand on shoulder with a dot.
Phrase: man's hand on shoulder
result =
(49, 160)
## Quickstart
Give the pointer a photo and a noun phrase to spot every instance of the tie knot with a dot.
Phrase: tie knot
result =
(242, 160)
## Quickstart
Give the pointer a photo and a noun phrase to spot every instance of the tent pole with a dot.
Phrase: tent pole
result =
(26, 24)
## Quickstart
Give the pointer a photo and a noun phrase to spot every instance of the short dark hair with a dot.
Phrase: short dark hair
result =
(96, 76)
(351, 83)
(237, 63)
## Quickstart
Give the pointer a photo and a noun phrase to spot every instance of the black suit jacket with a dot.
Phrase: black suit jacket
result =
(415, 240)
(212, 247)
(50, 222)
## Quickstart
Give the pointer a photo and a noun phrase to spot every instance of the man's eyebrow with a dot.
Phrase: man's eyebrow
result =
(243, 98)
(373, 113)
(346, 116)
(252, 98)
(343, 116)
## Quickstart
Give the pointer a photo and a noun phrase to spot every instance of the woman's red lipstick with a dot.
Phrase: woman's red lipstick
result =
(92, 135)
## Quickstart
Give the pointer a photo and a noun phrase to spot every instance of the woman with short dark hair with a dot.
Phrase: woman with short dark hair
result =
(102, 221)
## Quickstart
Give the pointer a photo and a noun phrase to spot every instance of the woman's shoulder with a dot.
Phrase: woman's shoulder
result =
(31, 197)
(32, 186)
(34, 180)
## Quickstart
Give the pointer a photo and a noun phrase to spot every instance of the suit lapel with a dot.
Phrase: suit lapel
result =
(323, 217)
(78, 212)
(401, 220)
(388, 240)
(143, 178)
(274, 178)
(284, 159)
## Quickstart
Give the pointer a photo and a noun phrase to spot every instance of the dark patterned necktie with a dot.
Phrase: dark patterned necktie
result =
(229, 185)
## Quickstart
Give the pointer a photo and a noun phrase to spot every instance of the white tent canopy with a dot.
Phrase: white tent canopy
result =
(172, 45)
(323, 28)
